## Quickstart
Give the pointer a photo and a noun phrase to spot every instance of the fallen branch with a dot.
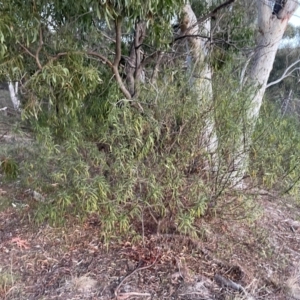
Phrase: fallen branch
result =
(122, 295)
(222, 281)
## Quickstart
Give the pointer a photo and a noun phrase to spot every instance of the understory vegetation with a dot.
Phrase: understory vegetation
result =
(137, 171)
(149, 149)
(118, 111)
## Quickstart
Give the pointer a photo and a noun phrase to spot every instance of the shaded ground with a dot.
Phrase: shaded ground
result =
(260, 259)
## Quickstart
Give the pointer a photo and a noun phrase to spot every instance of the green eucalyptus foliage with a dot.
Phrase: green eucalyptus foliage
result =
(275, 153)
(74, 105)
(138, 174)
(95, 154)
(234, 43)
(46, 44)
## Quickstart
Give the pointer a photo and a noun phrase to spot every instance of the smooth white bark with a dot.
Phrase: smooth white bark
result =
(4, 110)
(270, 33)
(13, 92)
(201, 73)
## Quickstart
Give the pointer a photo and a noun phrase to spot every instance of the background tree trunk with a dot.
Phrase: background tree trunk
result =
(133, 67)
(13, 92)
(270, 32)
(201, 74)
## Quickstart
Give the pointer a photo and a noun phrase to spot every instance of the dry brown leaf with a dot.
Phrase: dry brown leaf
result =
(20, 243)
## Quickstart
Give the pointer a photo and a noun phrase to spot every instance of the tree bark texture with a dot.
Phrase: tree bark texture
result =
(270, 32)
(201, 73)
(133, 67)
(13, 92)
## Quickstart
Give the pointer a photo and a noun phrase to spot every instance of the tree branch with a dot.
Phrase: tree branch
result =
(27, 50)
(101, 57)
(36, 55)
(211, 14)
(190, 36)
(156, 68)
(115, 65)
(39, 49)
(286, 73)
(138, 40)
(117, 59)
(105, 60)
(118, 54)
(133, 66)
(90, 53)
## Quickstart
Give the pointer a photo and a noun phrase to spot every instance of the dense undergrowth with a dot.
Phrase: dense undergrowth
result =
(135, 171)
(275, 157)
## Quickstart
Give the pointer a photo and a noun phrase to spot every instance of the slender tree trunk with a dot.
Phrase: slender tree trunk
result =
(201, 74)
(271, 28)
(13, 91)
(133, 68)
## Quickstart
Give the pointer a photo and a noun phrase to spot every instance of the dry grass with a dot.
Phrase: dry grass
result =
(292, 285)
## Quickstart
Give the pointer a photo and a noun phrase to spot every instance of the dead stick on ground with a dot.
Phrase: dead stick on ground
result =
(124, 296)
(130, 274)
(222, 281)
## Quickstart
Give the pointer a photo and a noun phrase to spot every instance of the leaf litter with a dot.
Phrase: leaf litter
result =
(231, 260)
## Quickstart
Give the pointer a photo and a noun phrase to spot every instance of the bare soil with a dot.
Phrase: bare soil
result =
(232, 260)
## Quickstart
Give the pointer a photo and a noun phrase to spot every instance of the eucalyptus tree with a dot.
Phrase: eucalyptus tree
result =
(272, 20)
(270, 30)
(60, 50)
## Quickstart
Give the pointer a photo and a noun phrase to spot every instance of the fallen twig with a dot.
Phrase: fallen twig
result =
(124, 296)
(121, 296)
(222, 281)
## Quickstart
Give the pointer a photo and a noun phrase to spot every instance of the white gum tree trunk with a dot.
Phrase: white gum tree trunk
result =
(201, 73)
(271, 28)
(13, 92)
